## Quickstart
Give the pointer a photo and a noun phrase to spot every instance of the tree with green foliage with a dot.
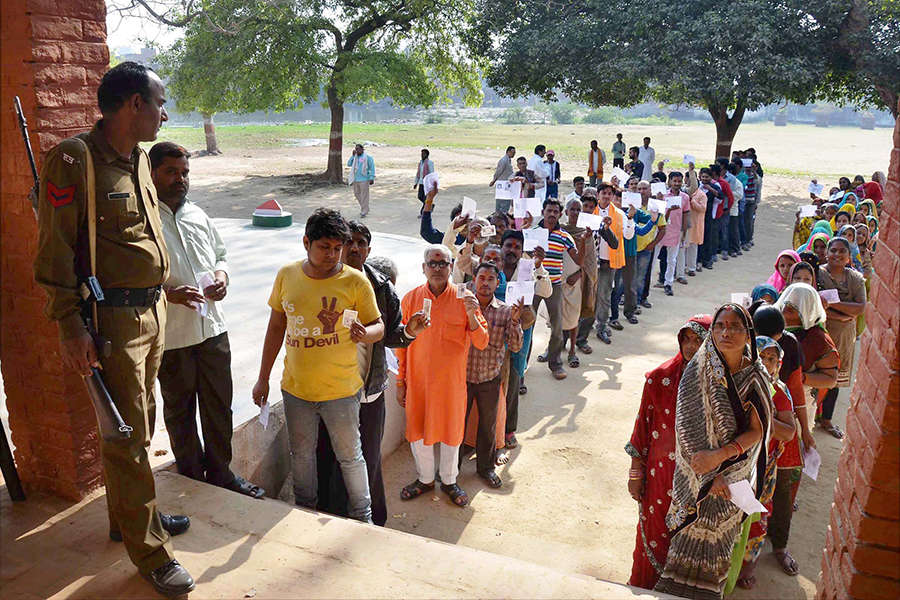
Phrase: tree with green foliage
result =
(727, 58)
(249, 55)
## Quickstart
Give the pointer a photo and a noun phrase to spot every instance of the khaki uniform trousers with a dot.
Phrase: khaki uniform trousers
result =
(137, 338)
(361, 191)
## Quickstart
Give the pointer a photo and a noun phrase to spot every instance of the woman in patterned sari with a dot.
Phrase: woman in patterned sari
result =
(652, 451)
(723, 416)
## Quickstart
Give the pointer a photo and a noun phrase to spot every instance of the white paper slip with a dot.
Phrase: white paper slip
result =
(815, 188)
(468, 208)
(657, 206)
(631, 199)
(520, 208)
(830, 296)
(689, 159)
(526, 269)
(488, 231)
(516, 290)
(743, 299)
(621, 175)
(743, 497)
(540, 194)
(658, 187)
(591, 221)
(503, 190)
(673, 201)
(747, 162)
(391, 361)
(204, 280)
(808, 210)
(811, 463)
(460, 290)
(535, 206)
(264, 415)
(835, 197)
(426, 307)
(536, 237)
(349, 317)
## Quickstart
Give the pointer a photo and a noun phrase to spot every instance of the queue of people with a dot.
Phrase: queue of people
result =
(734, 405)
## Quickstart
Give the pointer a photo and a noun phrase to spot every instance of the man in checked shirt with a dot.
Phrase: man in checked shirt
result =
(483, 369)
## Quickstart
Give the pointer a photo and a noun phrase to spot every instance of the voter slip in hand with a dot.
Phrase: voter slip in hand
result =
(743, 497)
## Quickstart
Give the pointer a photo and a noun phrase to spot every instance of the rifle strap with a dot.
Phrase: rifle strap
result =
(91, 201)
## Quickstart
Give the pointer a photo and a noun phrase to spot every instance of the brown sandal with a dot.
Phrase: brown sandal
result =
(457, 494)
(415, 489)
(787, 562)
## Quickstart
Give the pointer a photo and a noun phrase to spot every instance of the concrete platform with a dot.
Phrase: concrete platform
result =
(238, 547)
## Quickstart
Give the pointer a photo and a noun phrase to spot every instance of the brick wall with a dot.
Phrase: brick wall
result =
(53, 56)
(861, 558)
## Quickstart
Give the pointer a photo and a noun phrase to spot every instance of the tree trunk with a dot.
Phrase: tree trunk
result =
(334, 172)
(209, 128)
(726, 127)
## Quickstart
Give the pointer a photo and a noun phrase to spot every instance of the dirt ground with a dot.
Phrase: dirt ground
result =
(564, 501)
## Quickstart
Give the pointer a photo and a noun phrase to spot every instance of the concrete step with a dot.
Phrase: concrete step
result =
(238, 547)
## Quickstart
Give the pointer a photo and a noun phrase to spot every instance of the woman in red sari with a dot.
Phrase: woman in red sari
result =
(652, 451)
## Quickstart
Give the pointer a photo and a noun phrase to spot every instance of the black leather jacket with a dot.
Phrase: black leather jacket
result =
(394, 337)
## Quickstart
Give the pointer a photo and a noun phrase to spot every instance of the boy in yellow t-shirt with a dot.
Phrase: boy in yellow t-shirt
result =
(320, 310)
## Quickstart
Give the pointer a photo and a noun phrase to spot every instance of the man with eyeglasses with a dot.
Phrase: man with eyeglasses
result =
(431, 378)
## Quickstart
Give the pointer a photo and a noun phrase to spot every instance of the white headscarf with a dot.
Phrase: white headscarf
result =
(805, 299)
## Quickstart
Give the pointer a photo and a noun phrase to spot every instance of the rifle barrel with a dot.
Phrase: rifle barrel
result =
(23, 125)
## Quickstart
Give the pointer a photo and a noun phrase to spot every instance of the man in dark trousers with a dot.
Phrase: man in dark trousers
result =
(132, 262)
(374, 365)
(196, 365)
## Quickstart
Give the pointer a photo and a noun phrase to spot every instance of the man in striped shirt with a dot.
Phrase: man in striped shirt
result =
(559, 242)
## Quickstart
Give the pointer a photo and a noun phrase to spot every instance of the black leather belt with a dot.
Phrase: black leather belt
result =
(131, 296)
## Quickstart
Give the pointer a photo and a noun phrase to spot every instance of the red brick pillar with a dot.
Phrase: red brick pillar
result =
(862, 547)
(54, 54)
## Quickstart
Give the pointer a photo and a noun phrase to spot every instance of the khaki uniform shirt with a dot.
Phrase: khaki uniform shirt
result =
(131, 250)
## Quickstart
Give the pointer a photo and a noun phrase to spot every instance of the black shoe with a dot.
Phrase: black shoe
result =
(622, 302)
(174, 524)
(637, 311)
(708, 267)
(616, 325)
(633, 320)
(692, 273)
(646, 304)
(724, 256)
(699, 268)
(603, 336)
(171, 580)
(669, 290)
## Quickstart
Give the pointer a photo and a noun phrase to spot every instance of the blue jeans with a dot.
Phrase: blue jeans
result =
(642, 266)
(341, 418)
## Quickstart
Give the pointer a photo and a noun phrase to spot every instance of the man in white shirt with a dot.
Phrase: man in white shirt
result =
(536, 163)
(647, 155)
(578, 185)
(196, 363)
(425, 168)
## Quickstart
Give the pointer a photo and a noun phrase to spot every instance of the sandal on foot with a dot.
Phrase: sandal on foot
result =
(511, 441)
(415, 489)
(523, 389)
(492, 479)
(787, 562)
(746, 583)
(502, 457)
(834, 430)
(242, 486)
(574, 363)
(457, 494)
(542, 358)
(585, 348)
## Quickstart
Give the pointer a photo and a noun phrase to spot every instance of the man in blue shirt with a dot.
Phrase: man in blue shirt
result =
(362, 175)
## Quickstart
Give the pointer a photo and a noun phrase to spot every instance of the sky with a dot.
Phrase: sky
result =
(135, 32)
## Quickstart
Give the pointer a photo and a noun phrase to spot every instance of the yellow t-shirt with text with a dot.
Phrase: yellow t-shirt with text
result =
(320, 361)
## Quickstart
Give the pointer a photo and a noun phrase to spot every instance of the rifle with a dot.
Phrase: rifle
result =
(23, 125)
(112, 427)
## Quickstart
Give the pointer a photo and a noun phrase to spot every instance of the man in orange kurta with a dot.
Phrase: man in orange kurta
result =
(431, 382)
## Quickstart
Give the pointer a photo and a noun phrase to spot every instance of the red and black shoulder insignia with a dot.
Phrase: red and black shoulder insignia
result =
(60, 196)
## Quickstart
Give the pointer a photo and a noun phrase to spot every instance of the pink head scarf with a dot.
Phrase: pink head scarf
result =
(776, 280)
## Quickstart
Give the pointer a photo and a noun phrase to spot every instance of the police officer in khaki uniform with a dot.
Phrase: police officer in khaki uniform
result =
(132, 263)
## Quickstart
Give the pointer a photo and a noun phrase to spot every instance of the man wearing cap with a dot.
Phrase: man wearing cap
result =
(552, 168)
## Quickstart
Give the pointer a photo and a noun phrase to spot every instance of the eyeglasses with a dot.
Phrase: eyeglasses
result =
(731, 329)
(437, 264)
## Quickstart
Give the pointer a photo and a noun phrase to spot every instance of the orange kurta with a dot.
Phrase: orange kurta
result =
(434, 367)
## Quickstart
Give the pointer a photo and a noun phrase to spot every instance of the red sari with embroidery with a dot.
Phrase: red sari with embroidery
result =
(653, 441)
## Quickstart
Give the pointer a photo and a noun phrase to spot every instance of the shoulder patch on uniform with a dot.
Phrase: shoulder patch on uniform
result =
(60, 196)
(68, 159)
